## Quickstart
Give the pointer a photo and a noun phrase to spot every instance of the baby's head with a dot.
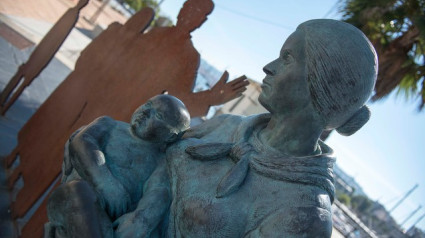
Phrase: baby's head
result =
(162, 118)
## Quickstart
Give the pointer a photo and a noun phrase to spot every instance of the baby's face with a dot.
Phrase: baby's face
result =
(159, 120)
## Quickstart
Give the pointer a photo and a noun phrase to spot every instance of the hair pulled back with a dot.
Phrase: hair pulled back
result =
(342, 69)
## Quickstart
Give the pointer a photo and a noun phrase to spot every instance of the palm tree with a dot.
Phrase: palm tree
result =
(396, 28)
(139, 4)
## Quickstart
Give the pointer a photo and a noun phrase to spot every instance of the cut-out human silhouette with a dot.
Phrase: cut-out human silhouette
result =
(40, 57)
(118, 71)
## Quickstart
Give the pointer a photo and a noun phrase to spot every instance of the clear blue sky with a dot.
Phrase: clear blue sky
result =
(386, 156)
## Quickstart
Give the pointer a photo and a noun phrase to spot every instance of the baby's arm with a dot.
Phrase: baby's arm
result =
(87, 158)
(150, 209)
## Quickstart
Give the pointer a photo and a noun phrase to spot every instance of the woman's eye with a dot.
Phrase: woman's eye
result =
(287, 58)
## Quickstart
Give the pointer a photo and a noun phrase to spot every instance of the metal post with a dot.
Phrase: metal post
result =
(403, 198)
(410, 215)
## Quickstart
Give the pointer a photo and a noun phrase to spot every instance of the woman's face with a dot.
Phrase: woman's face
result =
(285, 88)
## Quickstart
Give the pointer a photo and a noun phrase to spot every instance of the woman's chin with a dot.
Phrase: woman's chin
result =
(263, 101)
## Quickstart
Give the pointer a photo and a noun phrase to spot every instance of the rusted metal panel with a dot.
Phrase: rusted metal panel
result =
(35, 226)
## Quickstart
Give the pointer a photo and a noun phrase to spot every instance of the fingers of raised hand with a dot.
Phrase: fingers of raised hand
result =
(230, 90)
(224, 78)
(239, 80)
(236, 87)
(239, 83)
(233, 94)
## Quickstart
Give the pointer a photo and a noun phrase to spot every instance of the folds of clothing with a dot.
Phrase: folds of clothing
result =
(217, 195)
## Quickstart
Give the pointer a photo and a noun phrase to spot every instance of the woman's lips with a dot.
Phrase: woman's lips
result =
(266, 83)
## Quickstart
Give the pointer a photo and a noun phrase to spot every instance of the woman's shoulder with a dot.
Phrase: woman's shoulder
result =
(223, 121)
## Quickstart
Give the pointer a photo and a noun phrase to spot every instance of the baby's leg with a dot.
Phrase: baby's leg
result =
(73, 211)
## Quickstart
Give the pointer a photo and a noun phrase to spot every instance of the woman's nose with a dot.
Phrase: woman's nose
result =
(269, 69)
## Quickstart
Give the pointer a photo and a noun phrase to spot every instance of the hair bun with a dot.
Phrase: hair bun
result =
(355, 122)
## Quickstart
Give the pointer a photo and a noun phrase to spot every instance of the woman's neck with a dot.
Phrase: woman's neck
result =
(296, 134)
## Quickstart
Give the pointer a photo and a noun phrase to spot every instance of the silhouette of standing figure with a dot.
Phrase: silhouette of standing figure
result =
(119, 70)
(40, 57)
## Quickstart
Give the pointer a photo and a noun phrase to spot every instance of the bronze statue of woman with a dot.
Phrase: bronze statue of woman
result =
(270, 175)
